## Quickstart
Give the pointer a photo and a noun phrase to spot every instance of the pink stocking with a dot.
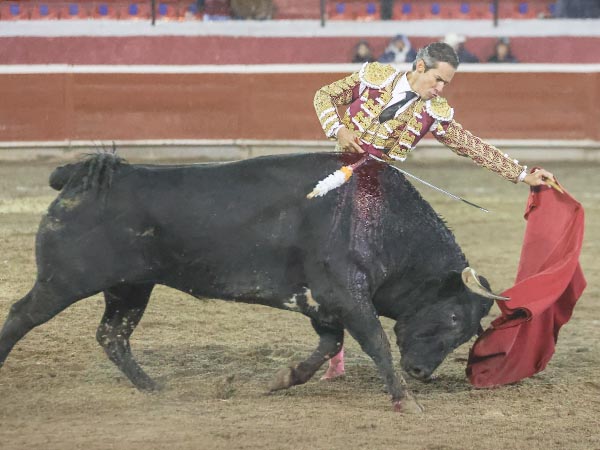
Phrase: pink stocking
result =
(336, 367)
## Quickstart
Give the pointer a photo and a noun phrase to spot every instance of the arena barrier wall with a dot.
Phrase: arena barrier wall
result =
(139, 103)
(193, 50)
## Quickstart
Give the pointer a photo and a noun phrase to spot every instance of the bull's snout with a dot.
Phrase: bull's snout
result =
(420, 373)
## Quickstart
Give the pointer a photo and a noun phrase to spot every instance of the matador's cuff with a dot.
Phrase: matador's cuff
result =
(337, 129)
(523, 174)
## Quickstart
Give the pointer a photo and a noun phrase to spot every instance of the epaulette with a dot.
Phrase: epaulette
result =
(376, 75)
(439, 109)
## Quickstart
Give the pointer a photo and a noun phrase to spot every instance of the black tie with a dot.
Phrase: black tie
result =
(389, 112)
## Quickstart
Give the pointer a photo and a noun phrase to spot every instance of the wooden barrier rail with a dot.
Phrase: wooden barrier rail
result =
(273, 102)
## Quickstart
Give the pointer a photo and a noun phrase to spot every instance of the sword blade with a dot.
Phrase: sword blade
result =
(452, 196)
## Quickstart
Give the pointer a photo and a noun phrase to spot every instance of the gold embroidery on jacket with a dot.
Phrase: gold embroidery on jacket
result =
(329, 97)
(367, 123)
(439, 109)
(409, 133)
(377, 75)
(463, 143)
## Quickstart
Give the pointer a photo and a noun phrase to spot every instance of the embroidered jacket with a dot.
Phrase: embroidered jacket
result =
(368, 92)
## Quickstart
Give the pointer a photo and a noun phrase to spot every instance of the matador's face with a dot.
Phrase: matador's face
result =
(430, 83)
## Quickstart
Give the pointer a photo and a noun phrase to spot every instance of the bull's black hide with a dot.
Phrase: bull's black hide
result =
(245, 231)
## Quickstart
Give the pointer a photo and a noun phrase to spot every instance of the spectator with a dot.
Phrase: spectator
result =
(252, 9)
(386, 8)
(216, 10)
(457, 42)
(578, 9)
(362, 53)
(398, 50)
(502, 52)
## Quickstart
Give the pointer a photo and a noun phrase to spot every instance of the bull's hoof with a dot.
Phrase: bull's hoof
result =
(148, 385)
(332, 373)
(283, 380)
(336, 368)
(408, 405)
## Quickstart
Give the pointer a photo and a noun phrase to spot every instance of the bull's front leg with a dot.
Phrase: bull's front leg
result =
(363, 324)
(330, 343)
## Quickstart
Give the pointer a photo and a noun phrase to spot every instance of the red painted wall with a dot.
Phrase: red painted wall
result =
(56, 107)
(261, 50)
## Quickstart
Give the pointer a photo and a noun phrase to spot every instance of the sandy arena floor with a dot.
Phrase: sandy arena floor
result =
(59, 391)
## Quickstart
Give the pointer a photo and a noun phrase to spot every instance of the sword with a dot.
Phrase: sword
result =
(414, 177)
(340, 176)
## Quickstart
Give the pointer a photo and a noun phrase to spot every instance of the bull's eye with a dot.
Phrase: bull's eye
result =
(454, 318)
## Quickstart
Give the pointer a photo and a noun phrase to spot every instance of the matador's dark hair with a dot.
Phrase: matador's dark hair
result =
(436, 53)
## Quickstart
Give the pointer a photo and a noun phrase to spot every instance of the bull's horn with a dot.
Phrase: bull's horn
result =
(471, 281)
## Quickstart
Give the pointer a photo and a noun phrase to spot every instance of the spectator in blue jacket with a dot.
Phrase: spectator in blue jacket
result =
(399, 50)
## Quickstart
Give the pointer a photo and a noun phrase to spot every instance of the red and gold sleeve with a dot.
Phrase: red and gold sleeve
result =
(329, 97)
(463, 143)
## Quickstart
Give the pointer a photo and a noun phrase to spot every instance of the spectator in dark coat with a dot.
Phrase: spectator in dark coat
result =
(457, 42)
(502, 52)
(362, 53)
(578, 9)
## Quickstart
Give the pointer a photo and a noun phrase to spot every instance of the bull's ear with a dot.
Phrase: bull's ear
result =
(484, 282)
(451, 284)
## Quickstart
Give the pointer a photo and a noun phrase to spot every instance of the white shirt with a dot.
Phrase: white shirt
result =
(399, 94)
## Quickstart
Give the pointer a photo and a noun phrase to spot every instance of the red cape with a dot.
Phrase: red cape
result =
(549, 281)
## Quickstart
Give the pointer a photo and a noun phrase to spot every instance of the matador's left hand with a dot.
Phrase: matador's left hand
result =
(538, 178)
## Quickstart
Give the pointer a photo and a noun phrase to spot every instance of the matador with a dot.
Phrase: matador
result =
(389, 111)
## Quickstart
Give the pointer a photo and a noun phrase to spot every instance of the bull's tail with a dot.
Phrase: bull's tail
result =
(95, 173)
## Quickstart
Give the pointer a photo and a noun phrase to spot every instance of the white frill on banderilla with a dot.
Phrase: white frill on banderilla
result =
(331, 182)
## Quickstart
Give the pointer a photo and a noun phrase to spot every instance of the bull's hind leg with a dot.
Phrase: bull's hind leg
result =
(125, 306)
(45, 300)
(336, 367)
(331, 341)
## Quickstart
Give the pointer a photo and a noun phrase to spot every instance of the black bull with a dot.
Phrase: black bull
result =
(245, 231)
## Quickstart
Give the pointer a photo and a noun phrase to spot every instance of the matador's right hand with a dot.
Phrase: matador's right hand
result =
(349, 141)
(539, 177)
